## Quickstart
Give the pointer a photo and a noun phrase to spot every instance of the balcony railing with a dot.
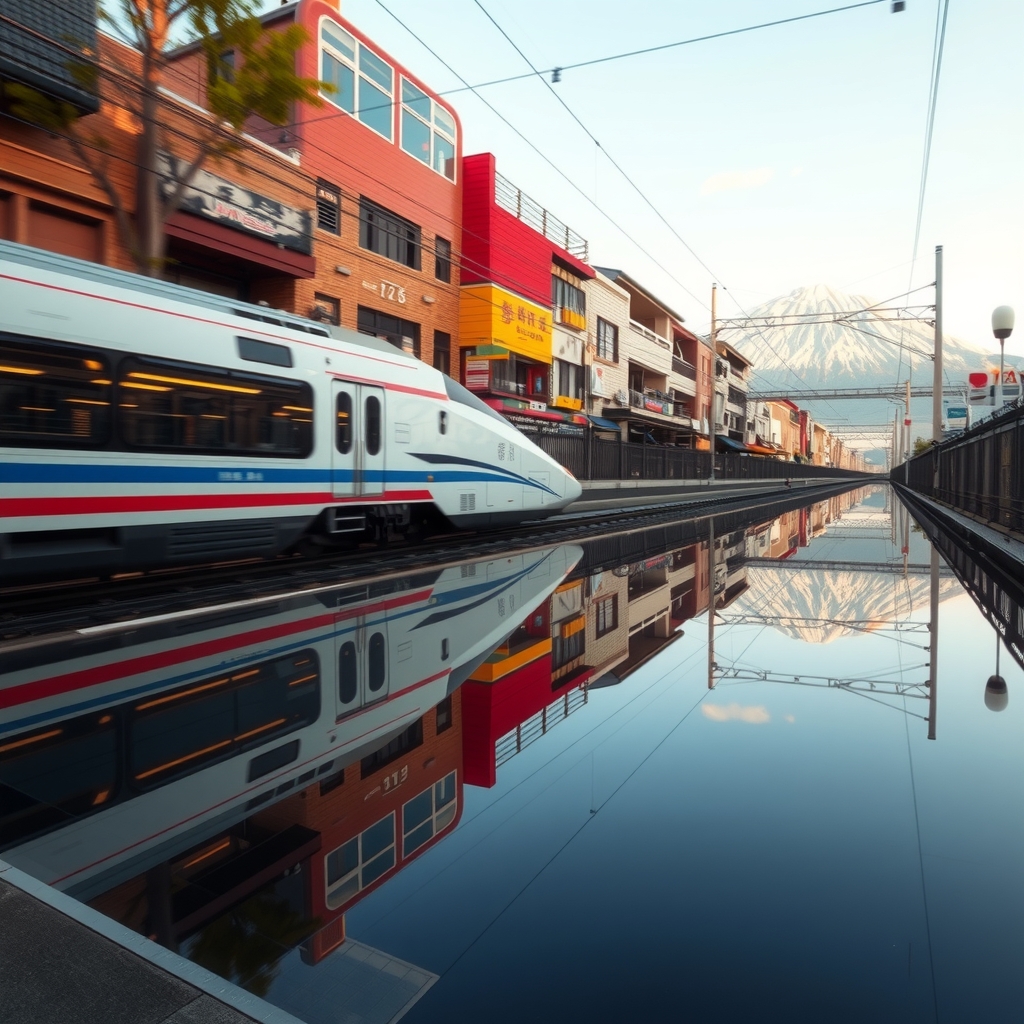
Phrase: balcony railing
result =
(683, 368)
(530, 212)
(650, 335)
(651, 400)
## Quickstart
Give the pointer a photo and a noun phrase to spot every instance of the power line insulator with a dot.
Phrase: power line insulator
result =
(556, 76)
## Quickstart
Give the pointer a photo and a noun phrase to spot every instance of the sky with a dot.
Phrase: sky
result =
(778, 158)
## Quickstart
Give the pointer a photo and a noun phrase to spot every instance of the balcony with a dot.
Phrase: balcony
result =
(650, 335)
(530, 212)
(651, 400)
(683, 368)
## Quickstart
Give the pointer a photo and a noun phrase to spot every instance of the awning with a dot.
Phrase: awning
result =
(760, 449)
(600, 421)
(729, 444)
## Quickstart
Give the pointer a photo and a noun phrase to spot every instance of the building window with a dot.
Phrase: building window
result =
(443, 352)
(408, 739)
(387, 234)
(607, 341)
(326, 309)
(328, 207)
(607, 614)
(567, 648)
(428, 130)
(360, 862)
(569, 379)
(403, 334)
(364, 85)
(443, 260)
(569, 302)
(444, 714)
(427, 814)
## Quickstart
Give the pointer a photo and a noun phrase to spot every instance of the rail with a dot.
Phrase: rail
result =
(530, 212)
(506, 747)
(683, 368)
(650, 335)
(652, 400)
(980, 473)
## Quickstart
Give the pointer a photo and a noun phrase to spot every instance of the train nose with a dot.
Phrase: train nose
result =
(573, 488)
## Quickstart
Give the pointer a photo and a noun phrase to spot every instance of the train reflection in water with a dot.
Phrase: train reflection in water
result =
(186, 835)
(142, 731)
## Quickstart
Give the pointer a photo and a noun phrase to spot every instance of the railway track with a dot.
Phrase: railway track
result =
(47, 610)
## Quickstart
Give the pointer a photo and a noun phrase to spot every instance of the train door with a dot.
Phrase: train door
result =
(363, 670)
(357, 458)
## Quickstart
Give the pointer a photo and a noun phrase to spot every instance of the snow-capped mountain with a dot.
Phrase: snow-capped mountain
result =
(819, 605)
(862, 350)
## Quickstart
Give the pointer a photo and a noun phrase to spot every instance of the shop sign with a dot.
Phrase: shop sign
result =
(983, 385)
(956, 417)
(597, 382)
(489, 315)
(529, 426)
(478, 374)
(654, 405)
(220, 200)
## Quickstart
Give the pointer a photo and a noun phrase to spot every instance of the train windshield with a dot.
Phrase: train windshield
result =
(457, 393)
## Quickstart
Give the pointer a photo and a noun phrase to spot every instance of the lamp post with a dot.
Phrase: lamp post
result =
(1002, 328)
(996, 697)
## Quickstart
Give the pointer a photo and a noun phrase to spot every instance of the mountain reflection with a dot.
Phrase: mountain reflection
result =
(235, 785)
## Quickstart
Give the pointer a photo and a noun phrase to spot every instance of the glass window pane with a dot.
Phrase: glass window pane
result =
(416, 811)
(416, 99)
(343, 430)
(415, 137)
(377, 867)
(444, 120)
(415, 839)
(348, 681)
(373, 67)
(342, 77)
(342, 860)
(372, 425)
(444, 156)
(374, 108)
(444, 791)
(339, 39)
(378, 662)
(344, 892)
(53, 396)
(444, 817)
(378, 837)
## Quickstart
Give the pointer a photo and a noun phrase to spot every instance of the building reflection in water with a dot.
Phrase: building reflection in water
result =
(232, 787)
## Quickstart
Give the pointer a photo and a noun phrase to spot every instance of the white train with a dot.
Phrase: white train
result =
(142, 423)
(123, 742)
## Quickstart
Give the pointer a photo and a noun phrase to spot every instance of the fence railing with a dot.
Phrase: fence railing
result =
(530, 212)
(683, 368)
(589, 457)
(980, 473)
(649, 334)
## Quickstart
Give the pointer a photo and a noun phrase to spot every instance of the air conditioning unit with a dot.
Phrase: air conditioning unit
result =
(621, 397)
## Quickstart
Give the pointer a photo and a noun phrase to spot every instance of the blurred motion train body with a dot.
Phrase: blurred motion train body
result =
(143, 423)
(123, 742)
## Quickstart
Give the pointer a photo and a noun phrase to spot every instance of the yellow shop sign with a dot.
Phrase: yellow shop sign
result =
(489, 315)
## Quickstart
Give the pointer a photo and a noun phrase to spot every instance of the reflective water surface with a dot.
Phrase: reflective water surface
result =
(545, 787)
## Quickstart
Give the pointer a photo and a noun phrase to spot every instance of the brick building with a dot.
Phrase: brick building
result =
(383, 153)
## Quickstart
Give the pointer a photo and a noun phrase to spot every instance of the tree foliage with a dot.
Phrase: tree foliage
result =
(259, 81)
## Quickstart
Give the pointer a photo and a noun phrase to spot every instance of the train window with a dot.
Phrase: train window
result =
(378, 662)
(166, 406)
(176, 733)
(343, 430)
(56, 773)
(264, 352)
(53, 396)
(442, 422)
(372, 425)
(348, 680)
(457, 393)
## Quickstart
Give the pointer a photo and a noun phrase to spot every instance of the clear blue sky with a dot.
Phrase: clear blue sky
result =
(784, 157)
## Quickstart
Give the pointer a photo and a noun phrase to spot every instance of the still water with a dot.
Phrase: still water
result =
(519, 789)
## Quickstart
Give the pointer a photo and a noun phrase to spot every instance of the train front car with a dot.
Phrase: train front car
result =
(494, 474)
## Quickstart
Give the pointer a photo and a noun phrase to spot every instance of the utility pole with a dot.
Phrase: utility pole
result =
(906, 424)
(937, 368)
(714, 377)
(711, 603)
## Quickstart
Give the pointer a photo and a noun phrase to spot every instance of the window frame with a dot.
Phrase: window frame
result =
(356, 872)
(599, 616)
(442, 263)
(354, 64)
(603, 328)
(436, 130)
(373, 218)
(436, 813)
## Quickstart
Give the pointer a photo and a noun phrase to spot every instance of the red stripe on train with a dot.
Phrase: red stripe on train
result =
(63, 506)
(83, 678)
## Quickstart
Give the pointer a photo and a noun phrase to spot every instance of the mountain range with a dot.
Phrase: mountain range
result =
(864, 350)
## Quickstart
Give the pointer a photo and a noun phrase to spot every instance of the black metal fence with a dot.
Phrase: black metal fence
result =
(981, 472)
(589, 457)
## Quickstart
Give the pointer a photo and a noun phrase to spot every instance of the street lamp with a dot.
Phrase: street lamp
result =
(996, 696)
(1002, 328)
